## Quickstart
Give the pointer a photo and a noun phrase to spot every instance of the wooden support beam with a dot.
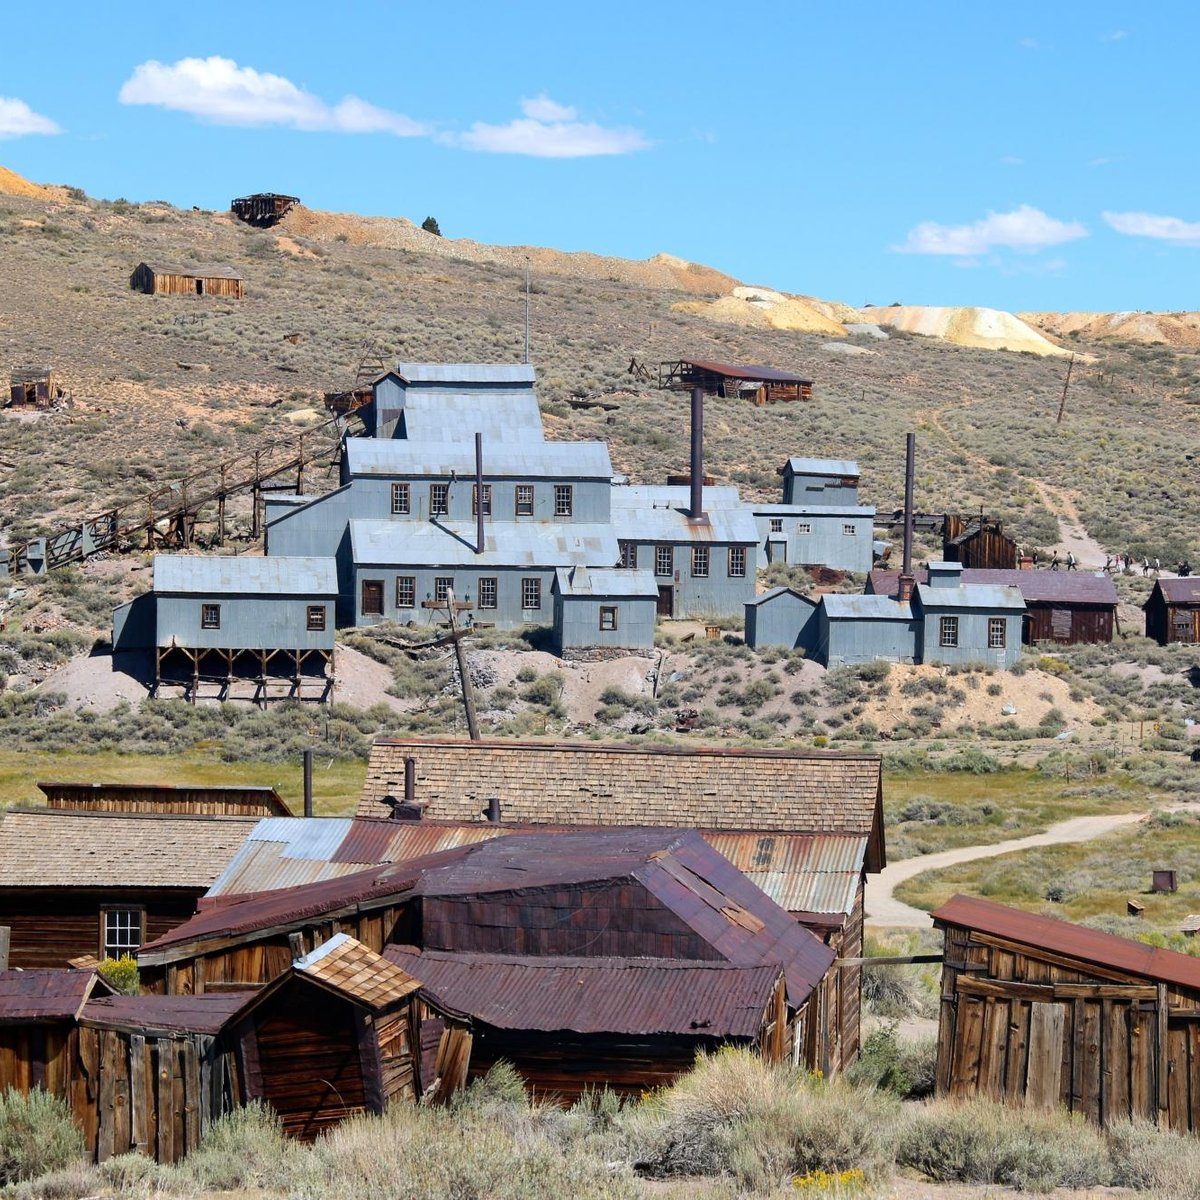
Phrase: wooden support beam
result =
(5, 946)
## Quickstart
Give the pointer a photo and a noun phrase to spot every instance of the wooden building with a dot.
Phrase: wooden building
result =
(77, 883)
(1040, 1012)
(733, 381)
(263, 209)
(161, 279)
(33, 387)
(1068, 607)
(1173, 610)
(978, 542)
(180, 799)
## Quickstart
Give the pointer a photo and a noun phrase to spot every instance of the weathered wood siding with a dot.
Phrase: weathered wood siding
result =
(157, 283)
(1069, 624)
(1038, 1029)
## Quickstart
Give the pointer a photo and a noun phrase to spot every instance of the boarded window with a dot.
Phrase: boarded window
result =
(487, 500)
(524, 500)
(439, 499)
(629, 555)
(700, 562)
(121, 931)
(1060, 624)
(372, 597)
(401, 499)
(563, 499)
(316, 618)
(997, 633)
(737, 562)
(443, 585)
(531, 592)
(488, 591)
(406, 591)
(608, 618)
(664, 560)
(210, 616)
(948, 631)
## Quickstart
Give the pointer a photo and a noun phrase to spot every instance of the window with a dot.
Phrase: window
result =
(316, 618)
(997, 633)
(121, 930)
(664, 560)
(406, 591)
(737, 562)
(487, 500)
(608, 618)
(699, 562)
(487, 592)
(562, 499)
(531, 592)
(210, 616)
(439, 499)
(628, 555)
(776, 524)
(948, 631)
(372, 597)
(804, 527)
(443, 585)
(401, 499)
(848, 529)
(524, 499)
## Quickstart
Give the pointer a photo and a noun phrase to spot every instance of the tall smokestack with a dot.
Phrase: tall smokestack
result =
(410, 780)
(479, 493)
(906, 571)
(697, 477)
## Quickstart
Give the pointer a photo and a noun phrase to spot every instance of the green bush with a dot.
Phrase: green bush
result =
(121, 974)
(906, 1069)
(37, 1135)
(244, 1148)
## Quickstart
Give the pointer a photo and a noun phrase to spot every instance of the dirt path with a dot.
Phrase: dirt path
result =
(883, 909)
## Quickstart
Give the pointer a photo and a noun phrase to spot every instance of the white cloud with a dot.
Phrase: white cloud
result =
(1165, 229)
(218, 90)
(1026, 229)
(1011, 160)
(17, 119)
(1117, 35)
(548, 130)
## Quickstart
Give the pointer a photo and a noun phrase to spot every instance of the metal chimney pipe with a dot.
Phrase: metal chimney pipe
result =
(906, 572)
(697, 476)
(493, 809)
(308, 786)
(410, 780)
(479, 493)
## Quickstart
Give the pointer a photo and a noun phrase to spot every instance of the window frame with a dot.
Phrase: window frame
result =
(664, 553)
(362, 597)
(608, 612)
(518, 502)
(997, 633)
(439, 506)
(737, 555)
(137, 911)
(409, 584)
(564, 500)
(443, 585)
(700, 562)
(948, 632)
(210, 615)
(531, 584)
(401, 499)
(493, 582)
(804, 528)
(627, 553)
(848, 529)
(315, 618)
(487, 500)
(776, 524)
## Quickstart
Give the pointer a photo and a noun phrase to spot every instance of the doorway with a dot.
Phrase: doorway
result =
(666, 600)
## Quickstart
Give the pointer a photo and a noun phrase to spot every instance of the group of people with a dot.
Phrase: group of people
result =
(1126, 562)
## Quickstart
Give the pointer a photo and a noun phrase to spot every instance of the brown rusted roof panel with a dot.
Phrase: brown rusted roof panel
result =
(629, 996)
(1062, 587)
(206, 1013)
(1073, 941)
(51, 995)
(1181, 591)
(745, 371)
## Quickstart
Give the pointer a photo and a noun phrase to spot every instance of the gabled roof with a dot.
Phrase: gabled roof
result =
(831, 467)
(970, 596)
(244, 575)
(207, 1013)
(1061, 587)
(602, 583)
(1070, 940)
(1179, 591)
(839, 606)
(777, 592)
(660, 513)
(623, 996)
(352, 970)
(404, 457)
(28, 997)
(56, 848)
(589, 783)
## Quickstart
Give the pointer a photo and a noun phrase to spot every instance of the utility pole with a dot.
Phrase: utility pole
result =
(468, 688)
(526, 359)
(1066, 384)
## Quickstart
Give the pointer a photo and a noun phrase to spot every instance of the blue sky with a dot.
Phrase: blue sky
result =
(1017, 155)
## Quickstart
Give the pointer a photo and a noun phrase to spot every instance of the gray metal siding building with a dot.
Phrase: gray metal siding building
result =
(609, 608)
(814, 534)
(858, 629)
(782, 617)
(808, 481)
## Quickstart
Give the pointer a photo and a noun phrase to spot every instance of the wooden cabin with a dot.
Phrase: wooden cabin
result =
(978, 542)
(161, 279)
(733, 381)
(1043, 1013)
(263, 209)
(1173, 611)
(33, 387)
(179, 799)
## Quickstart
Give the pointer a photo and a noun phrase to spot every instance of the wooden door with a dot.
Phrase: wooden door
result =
(666, 600)
(372, 597)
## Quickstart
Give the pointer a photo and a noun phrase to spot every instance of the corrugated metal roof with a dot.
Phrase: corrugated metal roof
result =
(506, 544)
(207, 1013)
(49, 995)
(526, 460)
(660, 513)
(1063, 587)
(439, 416)
(605, 582)
(970, 595)
(841, 607)
(1181, 591)
(210, 575)
(745, 371)
(823, 466)
(622, 996)
(776, 592)
(500, 373)
(1073, 941)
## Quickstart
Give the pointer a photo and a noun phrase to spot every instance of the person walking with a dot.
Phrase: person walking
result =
(1070, 561)
(1054, 562)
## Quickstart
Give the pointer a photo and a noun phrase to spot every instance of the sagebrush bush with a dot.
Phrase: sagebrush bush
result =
(243, 1148)
(1156, 1162)
(37, 1135)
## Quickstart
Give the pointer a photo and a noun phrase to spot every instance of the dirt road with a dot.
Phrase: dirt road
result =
(883, 909)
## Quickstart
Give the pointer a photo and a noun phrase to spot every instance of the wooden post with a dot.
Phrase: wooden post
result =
(257, 495)
(150, 523)
(1066, 384)
(5, 946)
(468, 688)
(300, 467)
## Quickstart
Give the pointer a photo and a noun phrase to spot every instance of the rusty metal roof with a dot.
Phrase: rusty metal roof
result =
(207, 1013)
(1070, 940)
(1061, 587)
(1181, 591)
(355, 971)
(745, 371)
(50, 995)
(624, 996)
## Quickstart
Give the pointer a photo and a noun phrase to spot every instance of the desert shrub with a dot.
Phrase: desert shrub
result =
(526, 674)
(502, 697)
(134, 1173)
(121, 974)
(37, 1135)
(544, 691)
(244, 1148)
(981, 1142)
(1154, 1161)
(906, 1069)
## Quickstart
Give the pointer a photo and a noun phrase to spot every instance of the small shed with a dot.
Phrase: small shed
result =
(606, 608)
(263, 209)
(967, 623)
(782, 617)
(820, 481)
(1173, 610)
(977, 542)
(733, 381)
(33, 387)
(1043, 1013)
(163, 279)
(858, 629)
